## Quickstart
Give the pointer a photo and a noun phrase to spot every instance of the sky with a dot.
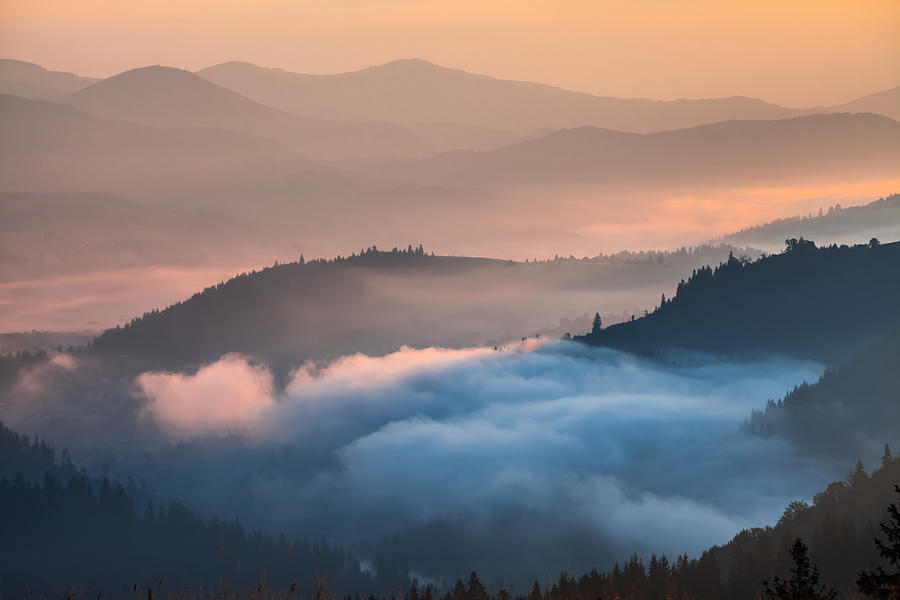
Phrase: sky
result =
(798, 53)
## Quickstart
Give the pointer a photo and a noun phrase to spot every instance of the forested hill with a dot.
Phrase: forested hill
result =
(818, 303)
(376, 301)
(286, 309)
(854, 224)
(838, 529)
(64, 531)
(846, 411)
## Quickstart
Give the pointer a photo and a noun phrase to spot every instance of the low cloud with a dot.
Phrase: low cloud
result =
(231, 394)
(37, 379)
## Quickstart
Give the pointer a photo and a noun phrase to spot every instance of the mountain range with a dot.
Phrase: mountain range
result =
(168, 97)
(29, 80)
(807, 147)
(439, 108)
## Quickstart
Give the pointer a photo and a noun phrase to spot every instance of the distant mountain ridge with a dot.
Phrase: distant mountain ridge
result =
(451, 107)
(886, 103)
(417, 91)
(32, 81)
(46, 145)
(168, 97)
(829, 145)
(413, 90)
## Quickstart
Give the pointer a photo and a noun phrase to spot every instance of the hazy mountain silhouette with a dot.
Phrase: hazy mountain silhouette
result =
(29, 80)
(47, 235)
(831, 146)
(854, 224)
(416, 91)
(168, 97)
(49, 146)
(821, 303)
(456, 200)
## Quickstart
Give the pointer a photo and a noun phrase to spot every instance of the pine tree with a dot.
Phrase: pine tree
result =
(459, 591)
(858, 475)
(879, 583)
(475, 590)
(598, 323)
(804, 583)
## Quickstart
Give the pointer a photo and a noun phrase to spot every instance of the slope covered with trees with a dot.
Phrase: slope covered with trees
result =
(843, 412)
(375, 301)
(880, 219)
(838, 529)
(63, 531)
(819, 303)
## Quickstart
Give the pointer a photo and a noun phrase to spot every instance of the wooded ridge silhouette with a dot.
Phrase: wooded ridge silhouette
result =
(820, 303)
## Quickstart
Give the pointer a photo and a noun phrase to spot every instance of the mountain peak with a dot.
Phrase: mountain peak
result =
(158, 72)
(155, 81)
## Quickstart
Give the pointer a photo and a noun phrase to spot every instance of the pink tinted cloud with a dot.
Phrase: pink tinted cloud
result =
(363, 371)
(234, 395)
(230, 394)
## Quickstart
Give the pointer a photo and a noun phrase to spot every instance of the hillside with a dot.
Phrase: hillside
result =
(168, 97)
(854, 224)
(838, 528)
(29, 80)
(63, 530)
(820, 303)
(376, 301)
(848, 410)
(414, 91)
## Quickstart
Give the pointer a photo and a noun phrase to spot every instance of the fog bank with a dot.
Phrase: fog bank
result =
(553, 448)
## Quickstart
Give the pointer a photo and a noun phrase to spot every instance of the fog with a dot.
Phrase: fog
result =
(578, 455)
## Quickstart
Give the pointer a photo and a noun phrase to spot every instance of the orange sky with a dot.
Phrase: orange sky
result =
(796, 53)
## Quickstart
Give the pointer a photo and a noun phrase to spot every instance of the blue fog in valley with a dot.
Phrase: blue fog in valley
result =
(551, 443)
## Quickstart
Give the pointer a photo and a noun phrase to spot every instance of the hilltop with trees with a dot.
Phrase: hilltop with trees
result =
(377, 300)
(808, 302)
